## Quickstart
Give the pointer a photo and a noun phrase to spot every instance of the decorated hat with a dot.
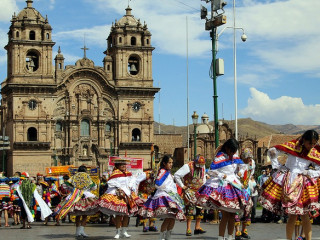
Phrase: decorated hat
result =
(199, 160)
(24, 175)
(122, 160)
(247, 153)
(3, 178)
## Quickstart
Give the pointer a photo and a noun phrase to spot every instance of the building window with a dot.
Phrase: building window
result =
(32, 35)
(120, 39)
(136, 135)
(108, 67)
(48, 36)
(85, 128)
(133, 65)
(133, 41)
(147, 41)
(17, 34)
(32, 61)
(108, 127)
(58, 126)
(60, 66)
(32, 104)
(32, 134)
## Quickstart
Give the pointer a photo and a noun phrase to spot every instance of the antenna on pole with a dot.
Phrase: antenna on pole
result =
(187, 53)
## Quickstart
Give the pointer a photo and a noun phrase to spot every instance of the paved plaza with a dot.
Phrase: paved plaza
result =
(258, 231)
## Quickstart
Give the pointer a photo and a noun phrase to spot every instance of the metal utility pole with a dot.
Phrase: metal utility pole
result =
(217, 19)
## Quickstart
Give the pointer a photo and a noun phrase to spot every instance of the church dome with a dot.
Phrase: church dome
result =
(30, 15)
(128, 19)
(204, 128)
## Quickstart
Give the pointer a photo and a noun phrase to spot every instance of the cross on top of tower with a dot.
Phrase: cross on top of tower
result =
(85, 51)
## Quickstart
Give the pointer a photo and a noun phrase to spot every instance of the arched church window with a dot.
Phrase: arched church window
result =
(32, 35)
(17, 34)
(133, 65)
(32, 134)
(147, 41)
(60, 65)
(48, 36)
(108, 127)
(32, 61)
(136, 135)
(58, 126)
(133, 41)
(108, 67)
(85, 128)
(120, 39)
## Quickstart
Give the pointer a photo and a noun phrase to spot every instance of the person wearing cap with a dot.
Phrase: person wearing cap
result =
(80, 202)
(245, 173)
(51, 194)
(224, 189)
(64, 190)
(165, 202)
(27, 194)
(119, 199)
(190, 177)
(5, 203)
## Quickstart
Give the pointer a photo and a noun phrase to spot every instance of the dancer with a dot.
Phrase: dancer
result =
(27, 196)
(293, 187)
(5, 203)
(245, 175)
(80, 202)
(224, 189)
(190, 177)
(119, 199)
(165, 203)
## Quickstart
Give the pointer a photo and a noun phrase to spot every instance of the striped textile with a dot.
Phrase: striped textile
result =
(64, 207)
(4, 190)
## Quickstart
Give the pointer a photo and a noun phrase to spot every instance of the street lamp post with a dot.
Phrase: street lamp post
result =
(195, 117)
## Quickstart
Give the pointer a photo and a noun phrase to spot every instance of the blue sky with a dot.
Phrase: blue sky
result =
(278, 67)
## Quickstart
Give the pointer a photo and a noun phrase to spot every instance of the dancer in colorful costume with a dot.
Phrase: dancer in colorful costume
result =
(15, 198)
(245, 175)
(166, 202)
(146, 188)
(293, 187)
(5, 202)
(27, 196)
(80, 202)
(119, 199)
(190, 177)
(224, 189)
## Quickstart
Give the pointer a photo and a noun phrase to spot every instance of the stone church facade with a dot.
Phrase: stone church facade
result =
(76, 114)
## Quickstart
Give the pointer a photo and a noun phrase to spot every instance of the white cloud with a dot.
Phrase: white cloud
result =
(8, 7)
(94, 35)
(281, 110)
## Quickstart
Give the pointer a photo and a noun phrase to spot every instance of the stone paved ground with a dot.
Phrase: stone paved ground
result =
(258, 231)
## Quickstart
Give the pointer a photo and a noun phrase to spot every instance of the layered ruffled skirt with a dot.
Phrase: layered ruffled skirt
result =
(227, 198)
(167, 206)
(111, 204)
(298, 197)
(77, 203)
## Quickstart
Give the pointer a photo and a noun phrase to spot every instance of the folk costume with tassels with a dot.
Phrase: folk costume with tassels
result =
(192, 176)
(166, 202)
(80, 201)
(224, 189)
(293, 188)
(119, 199)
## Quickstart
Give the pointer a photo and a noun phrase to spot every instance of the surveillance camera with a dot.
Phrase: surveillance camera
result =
(244, 37)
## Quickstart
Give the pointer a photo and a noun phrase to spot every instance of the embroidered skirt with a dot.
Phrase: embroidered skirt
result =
(170, 206)
(77, 204)
(227, 198)
(111, 204)
(298, 198)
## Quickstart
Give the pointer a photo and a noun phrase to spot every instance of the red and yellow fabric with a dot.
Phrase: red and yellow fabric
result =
(120, 204)
(295, 148)
(298, 198)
